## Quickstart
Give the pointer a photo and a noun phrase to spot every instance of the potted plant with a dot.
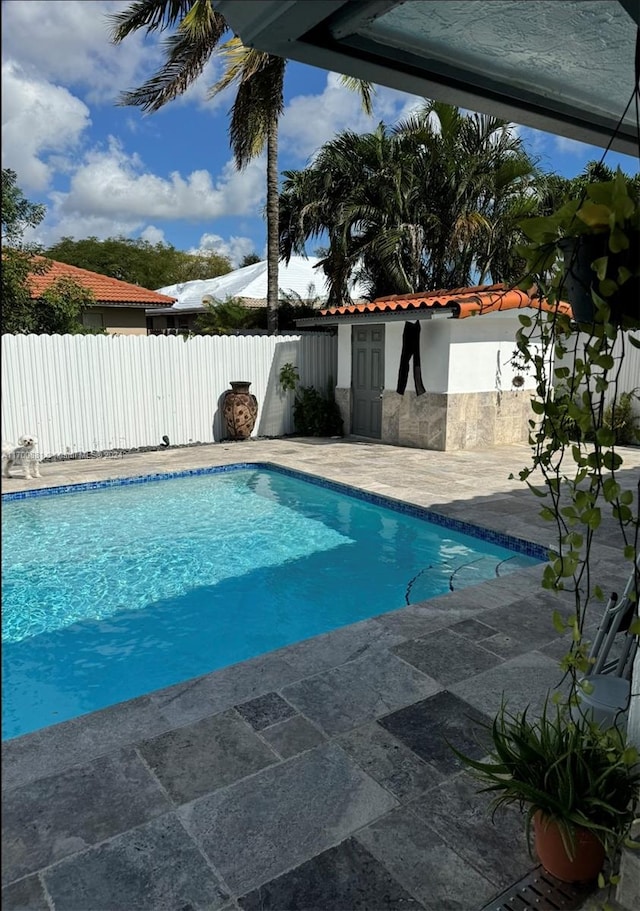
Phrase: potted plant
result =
(579, 785)
(590, 249)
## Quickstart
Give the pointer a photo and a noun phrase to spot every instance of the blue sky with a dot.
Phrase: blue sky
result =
(104, 170)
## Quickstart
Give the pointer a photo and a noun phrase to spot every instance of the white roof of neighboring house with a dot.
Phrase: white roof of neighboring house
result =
(251, 282)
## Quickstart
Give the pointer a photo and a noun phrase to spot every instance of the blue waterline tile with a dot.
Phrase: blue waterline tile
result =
(519, 545)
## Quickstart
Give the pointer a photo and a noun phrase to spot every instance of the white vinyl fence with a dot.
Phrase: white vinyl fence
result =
(627, 360)
(81, 394)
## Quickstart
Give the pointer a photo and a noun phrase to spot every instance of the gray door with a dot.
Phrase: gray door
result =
(367, 372)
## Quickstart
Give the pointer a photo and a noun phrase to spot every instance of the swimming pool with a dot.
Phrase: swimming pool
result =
(114, 592)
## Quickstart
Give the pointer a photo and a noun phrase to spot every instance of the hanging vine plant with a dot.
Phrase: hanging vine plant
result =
(575, 357)
(574, 450)
(576, 360)
(593, 246)
(584, 259)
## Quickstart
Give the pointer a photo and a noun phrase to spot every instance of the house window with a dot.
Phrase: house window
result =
(92, 320)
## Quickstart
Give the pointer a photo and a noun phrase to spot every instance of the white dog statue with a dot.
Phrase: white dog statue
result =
(23, 456)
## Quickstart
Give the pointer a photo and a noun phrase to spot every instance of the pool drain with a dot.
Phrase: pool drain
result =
(543, 892)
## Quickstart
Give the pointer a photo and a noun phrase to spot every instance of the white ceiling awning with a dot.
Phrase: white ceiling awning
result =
(564, 66)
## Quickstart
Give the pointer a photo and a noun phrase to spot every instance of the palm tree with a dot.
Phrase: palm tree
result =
(259, 102)
(364, 193)
(259, 78)
(480, 179)
(426, 205)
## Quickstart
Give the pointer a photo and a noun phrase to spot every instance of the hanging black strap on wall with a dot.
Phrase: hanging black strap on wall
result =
(410, 349)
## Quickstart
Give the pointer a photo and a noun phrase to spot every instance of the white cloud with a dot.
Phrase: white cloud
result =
(109, 183)
(235, 249)
(311, 120)
(110, 194)
(153, 235)
(69, 42)
(391, 105)
(38, 118)
(79, 226)
(61, 71)
(575, 147)
(198, 92)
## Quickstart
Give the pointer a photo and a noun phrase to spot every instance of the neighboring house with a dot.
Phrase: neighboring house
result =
(417, 370)
(120, 308)
(300, 277)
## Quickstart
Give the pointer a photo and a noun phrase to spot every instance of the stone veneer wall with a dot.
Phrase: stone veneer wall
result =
(447, 422)
(343, 401)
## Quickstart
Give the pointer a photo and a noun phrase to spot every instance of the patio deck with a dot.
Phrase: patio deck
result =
(316, 776)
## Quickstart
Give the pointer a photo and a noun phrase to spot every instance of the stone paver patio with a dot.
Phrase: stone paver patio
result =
(316, 776)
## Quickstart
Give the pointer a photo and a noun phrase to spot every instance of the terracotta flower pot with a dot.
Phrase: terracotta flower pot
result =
(589, 851)
(240, 409)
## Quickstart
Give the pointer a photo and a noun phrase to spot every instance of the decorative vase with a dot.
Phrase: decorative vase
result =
(240, 409)
(579, 252)
(589, 851)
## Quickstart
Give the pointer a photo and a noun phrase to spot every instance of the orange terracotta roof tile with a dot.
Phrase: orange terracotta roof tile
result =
(463, 302)
(106, 290)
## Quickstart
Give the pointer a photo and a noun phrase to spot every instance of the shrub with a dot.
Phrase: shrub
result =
(621, 419)
(316, 415)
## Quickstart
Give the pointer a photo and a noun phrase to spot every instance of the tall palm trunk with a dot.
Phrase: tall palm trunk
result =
(273, 227)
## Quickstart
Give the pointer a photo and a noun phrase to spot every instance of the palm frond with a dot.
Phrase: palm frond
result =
(241, 64)
(202, 22)
(187, 52)
(152, 15)
(257, 107)
(259, 102)
(365, 89)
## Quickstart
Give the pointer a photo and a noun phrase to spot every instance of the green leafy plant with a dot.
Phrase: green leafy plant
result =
(228, 316)
(288, 377)
(61, 308)
(574, 445)
(316, 415)
(619, 417)
(589, 247)
(575, 773)
(580, 415)
(622, 420)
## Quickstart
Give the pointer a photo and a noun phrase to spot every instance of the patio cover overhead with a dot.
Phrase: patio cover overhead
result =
(564, 66)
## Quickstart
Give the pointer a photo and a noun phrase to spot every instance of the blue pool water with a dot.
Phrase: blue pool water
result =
(109, 594)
